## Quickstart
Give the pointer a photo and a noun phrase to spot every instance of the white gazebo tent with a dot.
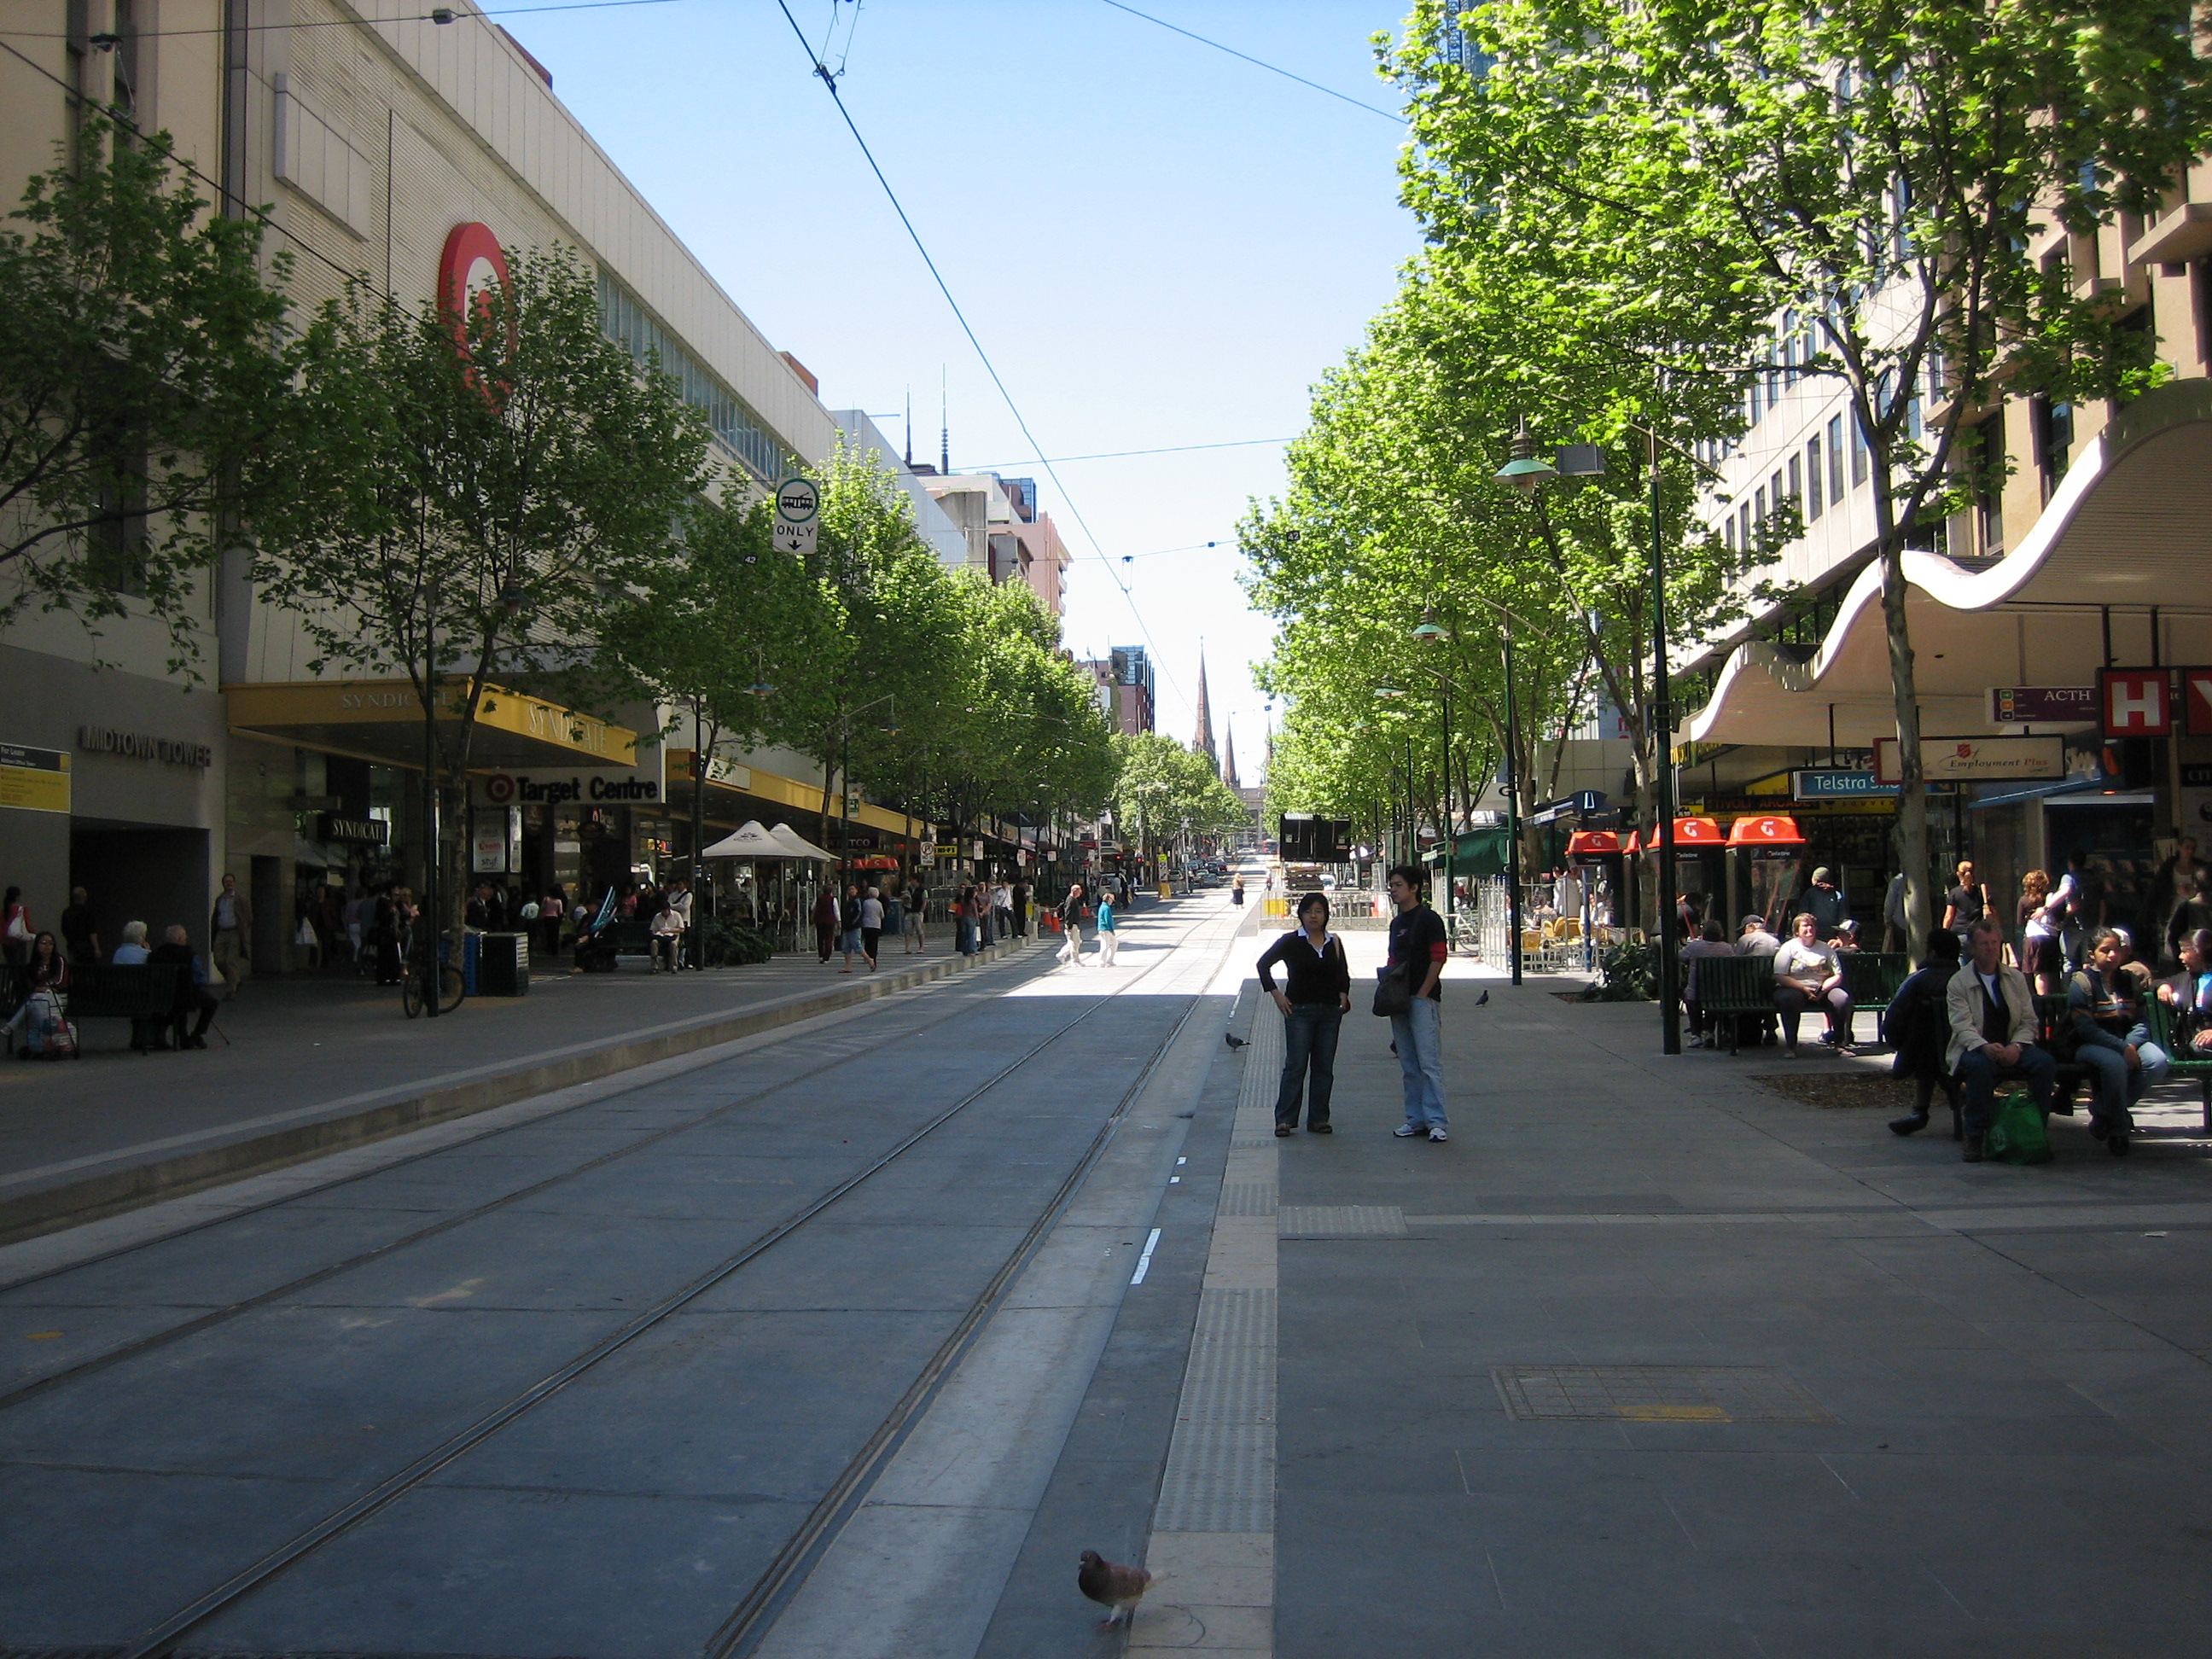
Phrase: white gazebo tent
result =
(798, 847)
(749, 841)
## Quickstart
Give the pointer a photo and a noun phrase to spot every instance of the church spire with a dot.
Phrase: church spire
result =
(1203, 742)
(1229, 752)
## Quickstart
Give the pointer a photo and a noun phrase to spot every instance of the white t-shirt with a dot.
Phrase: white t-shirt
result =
(1798, 960)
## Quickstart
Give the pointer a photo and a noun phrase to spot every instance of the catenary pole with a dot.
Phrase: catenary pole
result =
(1662, 758)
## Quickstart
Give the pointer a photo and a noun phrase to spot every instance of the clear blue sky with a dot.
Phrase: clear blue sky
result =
(1158, 243)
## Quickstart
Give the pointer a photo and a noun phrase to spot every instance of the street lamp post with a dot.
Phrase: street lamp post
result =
(1662, 764)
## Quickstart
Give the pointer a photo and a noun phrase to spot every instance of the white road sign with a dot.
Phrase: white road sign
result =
(798, 509)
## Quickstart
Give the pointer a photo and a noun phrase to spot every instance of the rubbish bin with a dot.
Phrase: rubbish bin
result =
(503, 964)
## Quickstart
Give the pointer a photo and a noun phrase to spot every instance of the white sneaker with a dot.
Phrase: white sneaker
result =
(1438, 1135)
(1407, 1131)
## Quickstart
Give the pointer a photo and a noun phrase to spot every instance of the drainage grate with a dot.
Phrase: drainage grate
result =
(1657, 1393)
(1342, 1221)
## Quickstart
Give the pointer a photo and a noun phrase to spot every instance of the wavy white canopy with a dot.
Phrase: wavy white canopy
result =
(2131, 525)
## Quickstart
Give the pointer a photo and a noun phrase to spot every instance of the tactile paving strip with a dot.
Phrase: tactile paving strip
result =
(1657, 1393)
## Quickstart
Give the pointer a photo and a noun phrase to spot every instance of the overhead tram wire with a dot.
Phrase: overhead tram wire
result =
(822, 73)
(1344, 98)
(1124, 455)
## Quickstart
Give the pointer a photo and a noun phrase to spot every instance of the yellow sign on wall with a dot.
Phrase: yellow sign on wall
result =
(34, 780)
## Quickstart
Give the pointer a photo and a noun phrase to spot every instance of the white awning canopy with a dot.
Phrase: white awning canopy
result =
(2128, 528)
(749, 841)
(797, 846)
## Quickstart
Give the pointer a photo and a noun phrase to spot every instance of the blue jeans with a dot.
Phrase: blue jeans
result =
(2157, 1064)
(1420, 1035)
(1981, 1074)
(1309, 1033)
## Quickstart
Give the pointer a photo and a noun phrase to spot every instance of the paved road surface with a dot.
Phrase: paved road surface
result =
(190, 1409)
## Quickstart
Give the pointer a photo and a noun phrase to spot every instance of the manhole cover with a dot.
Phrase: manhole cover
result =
(1655, 1394)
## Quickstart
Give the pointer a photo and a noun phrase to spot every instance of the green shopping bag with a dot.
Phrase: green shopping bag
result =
(2017, 1136)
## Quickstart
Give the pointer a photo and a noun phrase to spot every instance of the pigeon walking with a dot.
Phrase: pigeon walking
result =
(1112, 1586)
(1234, 1041)
(1482, 999)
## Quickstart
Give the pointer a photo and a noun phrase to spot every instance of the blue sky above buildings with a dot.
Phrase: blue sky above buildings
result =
(1158, 243)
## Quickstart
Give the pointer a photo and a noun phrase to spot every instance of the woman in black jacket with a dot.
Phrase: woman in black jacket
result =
(1314, 1003)
(1917, 1025)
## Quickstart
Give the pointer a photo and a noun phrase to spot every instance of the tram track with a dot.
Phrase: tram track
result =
(756, 1609)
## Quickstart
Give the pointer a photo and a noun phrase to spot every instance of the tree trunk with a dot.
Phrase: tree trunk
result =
(1912, 793)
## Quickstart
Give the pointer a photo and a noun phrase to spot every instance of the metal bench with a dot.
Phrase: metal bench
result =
(2052, 1018)
(2187, 1062)
(1735, 988)
(144, 993)
(1871, 977)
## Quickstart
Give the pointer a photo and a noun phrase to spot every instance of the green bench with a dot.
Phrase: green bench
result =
(2053, 1019)
(2187, 1062)
(1735, 988)
(1871, 977)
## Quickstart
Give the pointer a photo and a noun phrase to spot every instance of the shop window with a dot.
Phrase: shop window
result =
(2053, 425)
(1988, 452)
(115, 541)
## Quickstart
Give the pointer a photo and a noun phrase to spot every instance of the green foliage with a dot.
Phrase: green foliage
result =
(947, 692)
(1393, 516)
(1719, 194)
(136, 369)
(733, 944)
(472, 502)
(1627, 972)
(1162, 791)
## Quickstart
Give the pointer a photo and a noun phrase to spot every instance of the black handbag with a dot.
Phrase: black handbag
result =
(1392, 995)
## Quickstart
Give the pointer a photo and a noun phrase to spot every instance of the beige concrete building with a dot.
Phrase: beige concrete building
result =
(409, 150)
(1008, 538)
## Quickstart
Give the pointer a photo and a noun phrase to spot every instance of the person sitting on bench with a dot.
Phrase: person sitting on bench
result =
(191, 996)
(1993, 1032)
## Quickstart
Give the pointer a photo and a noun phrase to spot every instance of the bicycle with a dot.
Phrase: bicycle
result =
(452, 988)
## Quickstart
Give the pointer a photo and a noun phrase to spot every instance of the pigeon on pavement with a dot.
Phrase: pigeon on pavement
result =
(1481, 999)
(1233, 1040)
(1111, 1585)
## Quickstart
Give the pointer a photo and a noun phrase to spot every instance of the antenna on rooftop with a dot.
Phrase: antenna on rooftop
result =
(944, 431)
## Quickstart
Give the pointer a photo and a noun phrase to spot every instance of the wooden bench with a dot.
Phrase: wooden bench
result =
(2187, 1062)
(1735, 988)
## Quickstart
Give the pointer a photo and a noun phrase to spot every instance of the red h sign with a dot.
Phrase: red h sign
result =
(2196, 699)
(2137, 702)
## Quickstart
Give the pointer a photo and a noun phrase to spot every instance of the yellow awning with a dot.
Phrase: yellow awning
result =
(383, 719)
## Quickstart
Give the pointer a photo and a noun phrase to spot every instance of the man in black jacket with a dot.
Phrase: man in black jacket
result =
(191, 997)
(1418, 948)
